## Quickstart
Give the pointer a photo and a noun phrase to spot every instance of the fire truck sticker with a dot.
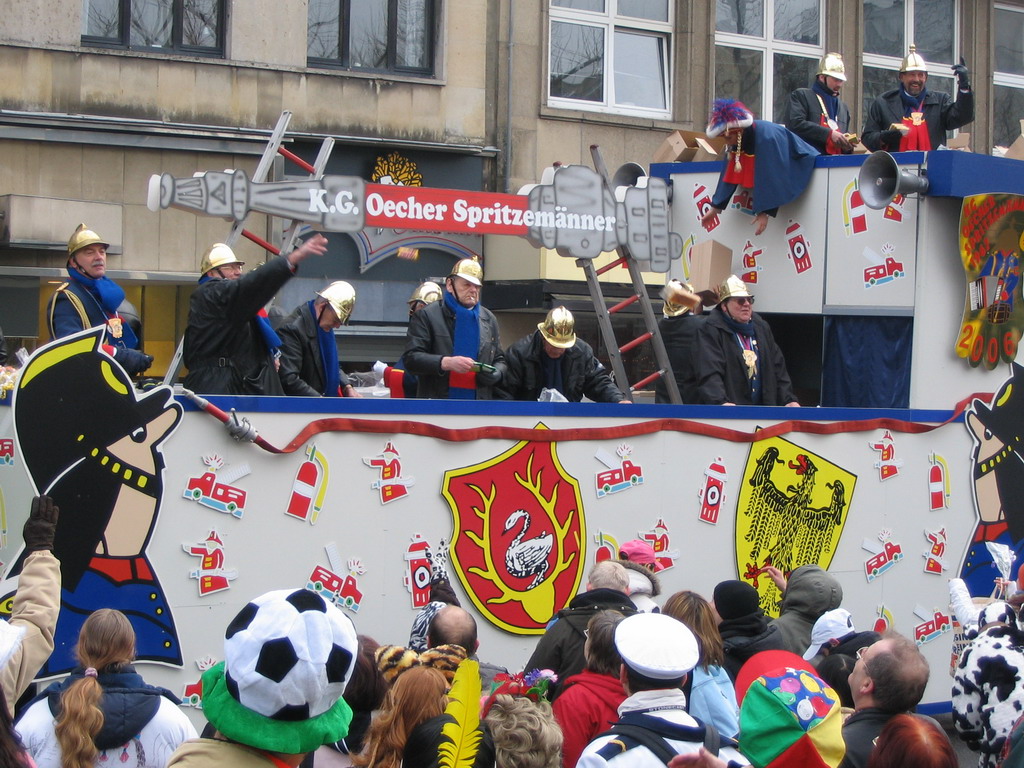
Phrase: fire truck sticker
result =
(791, 511)
(309, 487)
(658, 538)
(519, 535)
(888, 465)
(935, 623)
(884, 269)
(216, 491)
(6, 451)
(621, 474)
(855, 220)
(192, 696)
(938, 483)
(884, 555)
(390, 485)
(343, 591)
(712, 495)
(934, 560)
(211, 573)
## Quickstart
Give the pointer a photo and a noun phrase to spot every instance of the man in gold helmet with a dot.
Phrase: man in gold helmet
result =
(553, 357)
(912, 117)
(309, 351)
(89, 298)
(739, 361)
(230, 348)
(400, 382)
(683, 315)
(452, 346)
(817, 114)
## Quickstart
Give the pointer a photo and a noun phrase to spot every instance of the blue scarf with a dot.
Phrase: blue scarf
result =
(328, 353)
(109, 296)
(831, 101)
(912, 103)
(462, 386)
(270, 338)
(748, 331)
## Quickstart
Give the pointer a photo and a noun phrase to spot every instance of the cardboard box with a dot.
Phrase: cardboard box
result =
(1016, 150)
(710, 264)
(688, 147)
(961, 142)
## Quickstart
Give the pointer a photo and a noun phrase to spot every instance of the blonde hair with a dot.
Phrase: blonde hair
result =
(525, 733)
(416, 696)
(695, 612)
(106, 643)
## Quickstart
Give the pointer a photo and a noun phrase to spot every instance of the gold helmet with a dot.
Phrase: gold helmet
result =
(218, 255)
(468, 269)
(733, 287)
(82, 237)
(427, 292)
(558, 328)
(914, 62)
(342, 298)
(832, 64)
(679, 299)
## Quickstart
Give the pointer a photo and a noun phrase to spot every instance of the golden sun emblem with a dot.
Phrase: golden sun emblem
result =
(396, 169)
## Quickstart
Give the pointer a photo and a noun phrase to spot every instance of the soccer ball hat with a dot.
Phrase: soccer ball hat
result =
(288, 656)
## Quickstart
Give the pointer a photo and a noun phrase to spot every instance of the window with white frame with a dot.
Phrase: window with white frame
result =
(396, 36)
(766, 49)
(892, 26)
(611, 56)
(1008, 101)
(195, 27)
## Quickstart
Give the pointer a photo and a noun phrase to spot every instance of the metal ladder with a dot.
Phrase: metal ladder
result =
(270, 152)
(639, 296)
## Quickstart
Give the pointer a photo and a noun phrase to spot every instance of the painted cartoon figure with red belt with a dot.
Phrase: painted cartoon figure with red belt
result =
(91, 442)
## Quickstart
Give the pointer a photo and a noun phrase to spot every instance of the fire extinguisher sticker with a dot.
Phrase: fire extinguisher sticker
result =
(938, 483)
(855, 219)
(390, 485)
(309, 487)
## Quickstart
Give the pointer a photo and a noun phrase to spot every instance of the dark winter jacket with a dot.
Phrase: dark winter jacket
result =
(941, 114)
(63, 319)
(302, 364)
(723, 374)
(810, 592)
(561, 647)
(679, 334)
(582, 373)
(804, 118)
(430, 338)
(224, 351)
(859, 732)
(744, 636)
(587, 707)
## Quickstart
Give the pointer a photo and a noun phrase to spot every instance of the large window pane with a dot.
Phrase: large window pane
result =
(368, 34)
(639, 70)
(933, 29)
(654, 10)
(789, 73)
(577, 62)
(201, 23)
(741, 17)
(883, 27)
(1009, 34)
(152, 22)
(876, 82)
(581, 5)
(1007, 111)
(101, 18)
(738, 74)
(413, 36)
(323, 24)
(798, 21)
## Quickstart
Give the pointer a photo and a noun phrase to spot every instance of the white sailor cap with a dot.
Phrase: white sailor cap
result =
(656, 646)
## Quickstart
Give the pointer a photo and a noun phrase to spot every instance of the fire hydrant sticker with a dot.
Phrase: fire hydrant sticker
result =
(712, 495)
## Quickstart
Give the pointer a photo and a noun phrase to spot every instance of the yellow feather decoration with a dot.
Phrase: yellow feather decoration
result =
(463, 705)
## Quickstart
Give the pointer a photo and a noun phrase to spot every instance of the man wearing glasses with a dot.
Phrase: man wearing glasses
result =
(739, 362)
(888, 679)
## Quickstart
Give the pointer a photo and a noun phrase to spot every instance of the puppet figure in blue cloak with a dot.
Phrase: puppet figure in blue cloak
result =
(767, 161)
(996, 430)
(92, 442)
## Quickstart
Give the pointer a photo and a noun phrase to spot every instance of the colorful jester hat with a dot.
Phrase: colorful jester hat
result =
(727, 114)
(789, 718)
(534, 685)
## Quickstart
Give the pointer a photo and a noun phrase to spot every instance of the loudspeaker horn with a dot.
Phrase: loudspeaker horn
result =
(881, 179)
(628, 175)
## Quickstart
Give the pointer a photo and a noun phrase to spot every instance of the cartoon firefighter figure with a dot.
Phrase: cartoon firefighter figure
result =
(211, 574)
(887, 465)
(391, 485)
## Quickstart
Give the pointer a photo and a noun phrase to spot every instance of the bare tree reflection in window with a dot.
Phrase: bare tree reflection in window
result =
(798, 21)
(200, 23)
(412, 34)
(102, 18)
(883, 27)
(741, 17)
(1007, 112)
(322, 29)
(933, 30)
(577, 62)
(151, 23)
(788, 74)
(738, 75)
(368, 34)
